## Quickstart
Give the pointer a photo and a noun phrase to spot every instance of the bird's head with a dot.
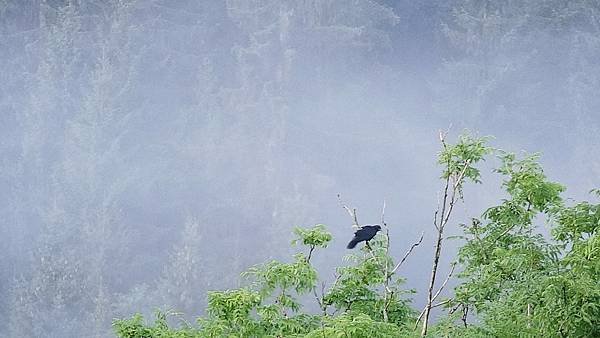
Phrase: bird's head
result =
(378, 227)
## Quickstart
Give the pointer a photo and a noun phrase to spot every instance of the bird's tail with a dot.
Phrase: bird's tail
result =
(352, 243)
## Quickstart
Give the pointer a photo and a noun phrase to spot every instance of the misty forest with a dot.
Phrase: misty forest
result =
(299, 168)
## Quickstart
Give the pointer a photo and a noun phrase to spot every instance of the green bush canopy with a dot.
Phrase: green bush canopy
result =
(512, 280)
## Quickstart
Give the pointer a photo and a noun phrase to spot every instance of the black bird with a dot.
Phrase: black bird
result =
(366, 233)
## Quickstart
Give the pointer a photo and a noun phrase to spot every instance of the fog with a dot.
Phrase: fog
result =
(153, 150)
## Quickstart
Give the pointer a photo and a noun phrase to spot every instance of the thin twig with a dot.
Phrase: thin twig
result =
(452, 310)
(465, 314)
(321, 300)
(444, 302)
(312, 248)
(351, 212)
(453, 199)
(443, 134)
(408, 253)
(317, 298)
(436, 295)
(445, 282)
(438, 246)
(437, 210)
(383, 214)
(447, 207)
(504, 233)
(387, 293)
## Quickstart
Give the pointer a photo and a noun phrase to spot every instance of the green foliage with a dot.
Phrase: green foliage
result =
(357, 289)
(578, 222)
(462, 156)
(317, 236)
(521, 283)
(355, 283)
(298, 275)
(447, 327)
(233, 306)
(265, 308)
(135, 327)
(517, 282)
(358, 326)
(527, 184)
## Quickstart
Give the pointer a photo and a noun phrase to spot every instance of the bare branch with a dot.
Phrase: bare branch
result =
(455, 187)
(447, 206)
(444, 302)
(312, 248)
(317, 298)
(465, 314)
(320, 300)
(452, 310)
(504, 233)
(443, 134)
(462, 174)
(444, 204)
(438, 247)
(437, 211)
(383, 215)
(419, 318)
(351, 212)
(445, 282)
(407, 253)
(387, 293)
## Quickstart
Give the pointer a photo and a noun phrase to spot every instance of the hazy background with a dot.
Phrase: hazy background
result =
(153, 150)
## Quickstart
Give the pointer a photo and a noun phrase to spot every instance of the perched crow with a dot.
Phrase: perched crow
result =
(365, 233)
